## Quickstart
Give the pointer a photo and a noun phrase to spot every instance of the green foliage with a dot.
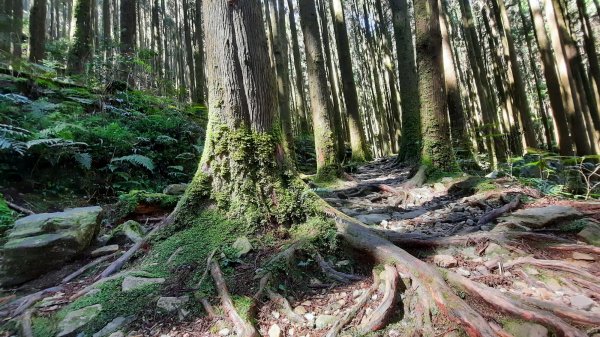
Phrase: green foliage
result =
(7, 217)
(135, 159)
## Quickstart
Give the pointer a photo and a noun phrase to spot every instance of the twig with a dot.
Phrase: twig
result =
(19, 208)
(492, 215)
(88, 266)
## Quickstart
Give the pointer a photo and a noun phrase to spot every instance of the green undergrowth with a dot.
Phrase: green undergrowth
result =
(7, 216)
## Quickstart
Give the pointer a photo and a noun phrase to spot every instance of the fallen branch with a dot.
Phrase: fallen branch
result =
(517, 308)
(87, 267)
(26, 302)
(334, 274)
(492, 215)
(19, 209)
(243, 327)
(380, 316)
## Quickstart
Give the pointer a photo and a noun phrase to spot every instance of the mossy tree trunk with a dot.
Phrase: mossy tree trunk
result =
(244, 167)
(81, 52)
(318, 86)
(437, 148)
(37, 31)
(301, 106)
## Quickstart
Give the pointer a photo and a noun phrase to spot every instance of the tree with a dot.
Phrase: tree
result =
(360, 151)
(128, 23)
(37, 31)
(81, 51)
(318, 86)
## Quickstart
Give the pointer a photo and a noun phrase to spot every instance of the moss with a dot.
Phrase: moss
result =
(45, 326)
(319, 232)
(244, 306)
(7, 217)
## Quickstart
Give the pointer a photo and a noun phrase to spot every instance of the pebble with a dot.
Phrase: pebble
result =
(445, 261)
(463, 272)
(224, 332)
(274, 331)
(582, 302)
(300, 310)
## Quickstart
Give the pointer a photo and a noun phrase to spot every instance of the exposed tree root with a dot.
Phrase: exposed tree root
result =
(361, 237)
(243, 327)
(19, 209)
(334, 274)
(26, 302)
(26, 328)
(349, 315)
(285, 307)
(552, 264)
(87, 267)
(593, 288)
(563, 311)
(577, 248)
(208, 308)
(517, 308)
(380, 316)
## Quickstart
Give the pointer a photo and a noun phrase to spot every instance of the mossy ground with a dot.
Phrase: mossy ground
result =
(7, 216)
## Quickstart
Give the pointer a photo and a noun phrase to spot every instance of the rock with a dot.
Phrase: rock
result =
(75, 320)
(439, 187)
(591, 234)
(274, 331)
(373, 219)
(300, 310)
(128, 232)
(582, 302)
(224, 332)
(463, 272)
(171, 304)
(445, 261)
(349, 212)
(113, 326)
(410, 215)
(175, 189)
(493, 249)
(470, 222)
(492, 175)
(242, 246)
(43, 242)
(117, 334)
(106, 250)
(583, 257)
(324, 321)
(482, 270)
(538, 218)
(526, 329)
(132, 282)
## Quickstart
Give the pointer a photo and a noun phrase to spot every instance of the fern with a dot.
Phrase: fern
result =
(54, 142)
(135, 159)
(9, 138)
(84, 159)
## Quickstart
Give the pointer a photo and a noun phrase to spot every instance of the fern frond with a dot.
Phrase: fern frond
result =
(84, 159)
(136, 159)
(12, 145)
(14, 130)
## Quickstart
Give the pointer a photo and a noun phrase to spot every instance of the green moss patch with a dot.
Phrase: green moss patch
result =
(7, 216)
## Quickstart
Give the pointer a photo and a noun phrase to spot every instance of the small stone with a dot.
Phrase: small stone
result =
(463, 272)
(274, 331)
(470, 222)
(324, 321)
(175, 189)
(582, 302)
(275, 314)
(171, 304)
(300, 310)
(77, 319)
(591, 234)
(494, 249)
(357, 293)
(132, 282)
(439, 187)
(307, 303)
(445, 261)
(117, 334)
(291, 332)
(526, 329)
(224, 332)
(372, 219)
(309, 317)
(482, 270)
(106, 250)
(112, 326)
(583, 257)
(242, 246)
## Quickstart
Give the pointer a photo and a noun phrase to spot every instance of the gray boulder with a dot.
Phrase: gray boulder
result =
(175, 189)
(538, 218)
(76, 320)
(41, 243)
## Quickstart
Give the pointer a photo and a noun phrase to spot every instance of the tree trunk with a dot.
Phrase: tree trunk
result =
(301, 108)
(189, 52)
(81, 52)
(589, 44)
(552, 81)
(128, 24)
(199, 55)
(437, 149)
(409, 90)
(17, 28)
(318, 86)
(360, 151)
(37, 31)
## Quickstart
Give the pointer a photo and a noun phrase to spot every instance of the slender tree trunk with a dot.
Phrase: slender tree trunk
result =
(515, 77)
(589, 44)
(318, 86)
(37, 31)
(189, 52)
(458, 124)
(409, 91)
(17, 28)
(106, 29)
(301, 106)
(554, 92)
(569, 92)
(199, 55)
(127, 40)
(437, 149)
(360, 151)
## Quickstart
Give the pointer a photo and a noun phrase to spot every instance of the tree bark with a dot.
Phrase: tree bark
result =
(318, 86)
(437, 149)
(128, 23)
(81, 52)
(37, 31)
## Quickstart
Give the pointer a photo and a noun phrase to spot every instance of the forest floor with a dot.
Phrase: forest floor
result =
(459, 224)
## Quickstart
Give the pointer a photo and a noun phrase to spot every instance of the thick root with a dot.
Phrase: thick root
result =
(380, 316)
(285, 307)
(243, 327)
(517, 308)
(334, 274)
(361, 237)
(553, 265)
